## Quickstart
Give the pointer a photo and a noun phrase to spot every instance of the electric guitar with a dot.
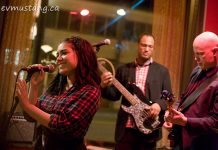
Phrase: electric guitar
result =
(140, 111)
(169, 97)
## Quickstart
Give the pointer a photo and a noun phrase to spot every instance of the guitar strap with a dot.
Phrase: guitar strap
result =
(193, 97)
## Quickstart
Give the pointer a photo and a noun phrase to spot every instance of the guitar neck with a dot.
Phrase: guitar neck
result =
(124, 91)
(170, 101)
(120, 87)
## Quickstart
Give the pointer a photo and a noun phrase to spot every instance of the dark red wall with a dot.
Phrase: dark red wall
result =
(211, 20)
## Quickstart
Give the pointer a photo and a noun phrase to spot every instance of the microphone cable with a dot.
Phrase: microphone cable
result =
(14, 104)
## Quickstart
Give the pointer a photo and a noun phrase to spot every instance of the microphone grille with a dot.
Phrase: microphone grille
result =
(107, 41)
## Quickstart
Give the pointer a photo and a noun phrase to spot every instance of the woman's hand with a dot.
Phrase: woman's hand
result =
(33, 111)
(37, 77)
(22, 93)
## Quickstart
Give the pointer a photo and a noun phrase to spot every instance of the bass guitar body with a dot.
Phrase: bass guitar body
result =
(140, 111)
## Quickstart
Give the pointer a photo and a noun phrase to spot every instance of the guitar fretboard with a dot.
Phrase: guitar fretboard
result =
(120, 87)
(124, 91)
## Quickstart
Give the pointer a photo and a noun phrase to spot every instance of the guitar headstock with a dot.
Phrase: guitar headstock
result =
(103, 64)
(169, 97)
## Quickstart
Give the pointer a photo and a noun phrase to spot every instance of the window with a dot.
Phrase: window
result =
(128, 30)
(100, 23)
(51, 19)
(111, 28)
(63, 19)
(88, 24)
(75, 21)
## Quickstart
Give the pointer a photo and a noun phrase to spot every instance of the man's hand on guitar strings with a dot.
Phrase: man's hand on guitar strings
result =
(175, 117)
(167, 125)
(155, 109)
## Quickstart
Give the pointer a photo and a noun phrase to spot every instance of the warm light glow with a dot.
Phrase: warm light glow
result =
(33, 31)
(54, 53)
(46, 48)
(84, 12)
(121, 12)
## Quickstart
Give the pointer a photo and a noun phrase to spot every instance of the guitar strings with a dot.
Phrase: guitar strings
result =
(146, 114)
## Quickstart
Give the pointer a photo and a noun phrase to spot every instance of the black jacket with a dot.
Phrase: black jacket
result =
(158, 79)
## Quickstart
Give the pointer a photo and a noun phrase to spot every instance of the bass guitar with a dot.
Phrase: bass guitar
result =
(138, 110)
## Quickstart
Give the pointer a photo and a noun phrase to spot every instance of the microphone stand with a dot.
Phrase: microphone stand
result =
(5, 127)
(97, 48)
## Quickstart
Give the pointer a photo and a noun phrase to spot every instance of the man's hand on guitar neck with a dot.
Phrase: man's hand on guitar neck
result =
(106, 79)
(175, 117)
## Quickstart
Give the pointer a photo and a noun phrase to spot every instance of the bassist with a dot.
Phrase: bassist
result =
(151, 78)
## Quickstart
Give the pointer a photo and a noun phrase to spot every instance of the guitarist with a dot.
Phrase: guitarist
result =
(151, 78)
(196, 123)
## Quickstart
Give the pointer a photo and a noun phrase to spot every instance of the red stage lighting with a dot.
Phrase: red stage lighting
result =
(74, 13)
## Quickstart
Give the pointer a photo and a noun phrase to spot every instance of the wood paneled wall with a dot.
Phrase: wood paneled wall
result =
(15, 47)
(168, 29)
(175, 24)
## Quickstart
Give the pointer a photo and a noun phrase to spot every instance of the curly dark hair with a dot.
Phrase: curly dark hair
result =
(86, 72)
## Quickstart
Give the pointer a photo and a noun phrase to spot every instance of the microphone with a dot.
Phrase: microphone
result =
(101, 43)
(48, 68)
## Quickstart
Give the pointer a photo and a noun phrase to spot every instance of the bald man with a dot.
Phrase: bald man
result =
(195, 127)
